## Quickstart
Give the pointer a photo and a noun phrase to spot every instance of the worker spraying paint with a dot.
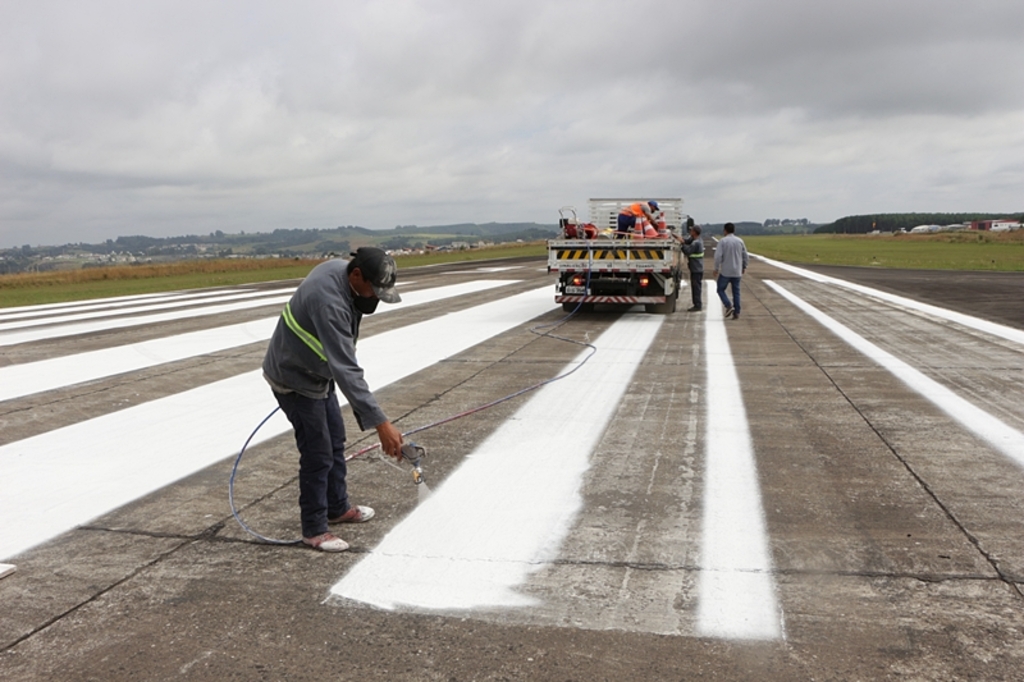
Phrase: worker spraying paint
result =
(311, 351)
(370, 270)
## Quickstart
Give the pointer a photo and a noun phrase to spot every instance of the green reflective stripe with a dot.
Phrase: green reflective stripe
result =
(307, 338)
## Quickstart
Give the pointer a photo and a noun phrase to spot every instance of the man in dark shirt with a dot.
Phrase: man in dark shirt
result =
(693, 247)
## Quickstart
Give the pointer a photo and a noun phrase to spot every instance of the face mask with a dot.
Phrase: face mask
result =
(365, 305)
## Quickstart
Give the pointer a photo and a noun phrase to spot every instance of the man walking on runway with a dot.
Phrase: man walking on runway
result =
(730, 263)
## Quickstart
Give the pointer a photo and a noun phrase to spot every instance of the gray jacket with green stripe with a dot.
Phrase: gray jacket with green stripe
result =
(315, 342)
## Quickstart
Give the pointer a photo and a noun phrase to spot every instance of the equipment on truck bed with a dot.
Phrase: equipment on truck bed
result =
(594, 267)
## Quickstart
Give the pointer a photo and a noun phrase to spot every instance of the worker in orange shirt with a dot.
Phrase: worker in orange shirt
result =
(629, 216)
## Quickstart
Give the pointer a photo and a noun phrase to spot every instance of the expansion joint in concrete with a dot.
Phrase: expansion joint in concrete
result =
(156, 534)
(185, 540)
(894, 575)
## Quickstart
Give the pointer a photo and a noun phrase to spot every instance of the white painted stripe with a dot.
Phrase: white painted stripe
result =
(17, 381)
(98, 303)
(993, 328)
(149, 307)
(62, 478)
(18, 311)
(1000, 435)
(508, 506)
(43, 333)
(737, 595)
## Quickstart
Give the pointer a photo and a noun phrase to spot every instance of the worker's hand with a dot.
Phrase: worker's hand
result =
(390, 439)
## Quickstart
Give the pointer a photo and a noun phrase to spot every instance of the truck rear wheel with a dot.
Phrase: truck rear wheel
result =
(666, 308)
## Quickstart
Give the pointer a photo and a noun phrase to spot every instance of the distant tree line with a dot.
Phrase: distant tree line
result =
(766, 228)
(894, 222)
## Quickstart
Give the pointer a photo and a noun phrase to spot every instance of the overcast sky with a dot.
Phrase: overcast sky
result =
(186, 117)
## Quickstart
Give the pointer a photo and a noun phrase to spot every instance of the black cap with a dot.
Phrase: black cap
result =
(379, 269)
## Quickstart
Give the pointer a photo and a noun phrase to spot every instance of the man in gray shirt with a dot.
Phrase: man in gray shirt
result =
(311, 351)
(730, 263)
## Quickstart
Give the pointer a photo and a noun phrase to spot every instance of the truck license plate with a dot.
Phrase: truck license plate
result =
(575, 290)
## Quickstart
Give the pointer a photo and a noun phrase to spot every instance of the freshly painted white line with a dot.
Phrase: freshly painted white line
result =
(17, 381)
(505, 511)
(99, 303)
(7, 569)
(737, 595)
(1008, 333)
(992, 430)
(18, 311)
(149, 307)
(62, 478)
(43, 333)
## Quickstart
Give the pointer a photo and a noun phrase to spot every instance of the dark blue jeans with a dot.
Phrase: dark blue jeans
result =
(697, 288)
(624, 226)
(320, 436)
(734, 282)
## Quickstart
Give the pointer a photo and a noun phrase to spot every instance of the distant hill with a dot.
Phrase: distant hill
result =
(312, 241)
(284, 243)
(475, 229)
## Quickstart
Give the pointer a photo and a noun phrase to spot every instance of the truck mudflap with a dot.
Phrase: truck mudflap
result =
(610, 299)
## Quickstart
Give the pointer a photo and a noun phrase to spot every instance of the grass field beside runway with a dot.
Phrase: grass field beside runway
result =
(944, 251)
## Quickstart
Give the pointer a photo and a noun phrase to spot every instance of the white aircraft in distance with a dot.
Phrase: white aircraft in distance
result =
(1004, 226)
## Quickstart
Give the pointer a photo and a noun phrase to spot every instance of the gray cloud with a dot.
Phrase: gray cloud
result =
(169, 118)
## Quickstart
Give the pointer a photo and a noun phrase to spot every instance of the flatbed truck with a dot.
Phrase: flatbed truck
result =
(597, 266)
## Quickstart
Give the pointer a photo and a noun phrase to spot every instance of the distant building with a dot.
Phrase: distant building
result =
(1000, 225)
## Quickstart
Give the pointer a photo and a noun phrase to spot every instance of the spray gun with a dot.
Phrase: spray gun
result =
(413, 454)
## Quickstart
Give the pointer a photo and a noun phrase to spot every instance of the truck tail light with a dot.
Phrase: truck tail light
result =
(644, 281)
(577, 280)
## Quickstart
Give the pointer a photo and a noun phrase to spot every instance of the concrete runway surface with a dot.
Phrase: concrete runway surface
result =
(830, 487)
